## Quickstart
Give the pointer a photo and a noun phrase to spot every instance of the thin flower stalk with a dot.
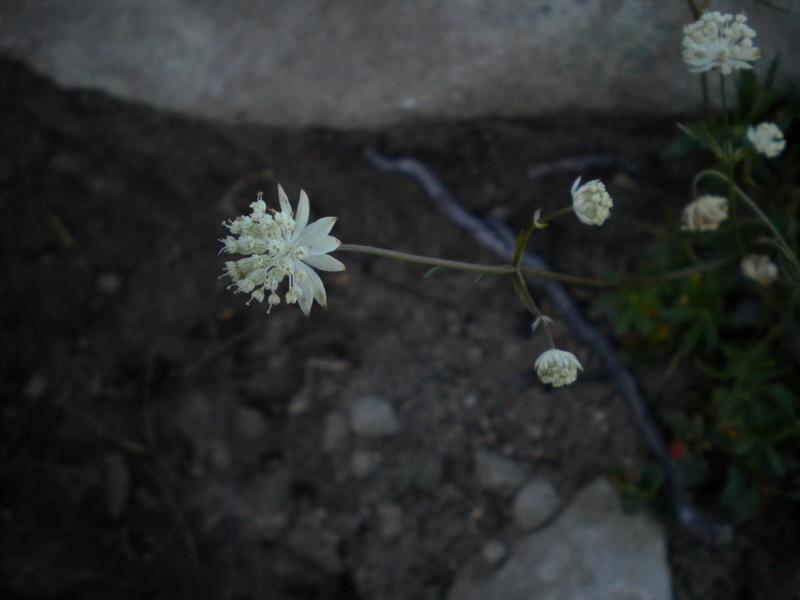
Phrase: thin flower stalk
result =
(779, 240)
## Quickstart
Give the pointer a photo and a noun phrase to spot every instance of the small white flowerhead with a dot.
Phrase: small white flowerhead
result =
(278, 246)
(557, 367)
(704, 214)
(760, 268)
(718, 41)
(591, 201)
(767, 139)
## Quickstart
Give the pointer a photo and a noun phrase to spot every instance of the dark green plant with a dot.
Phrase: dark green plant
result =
(733, 329)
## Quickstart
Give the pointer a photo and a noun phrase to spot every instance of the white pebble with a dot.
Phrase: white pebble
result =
(371, 416)
(535, 504)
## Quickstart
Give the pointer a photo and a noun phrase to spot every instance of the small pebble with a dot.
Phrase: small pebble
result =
(35, 387)
(493, 552)
(362, 463)
(109, 283)
(371, 416)
(498, 472)
(535, 504)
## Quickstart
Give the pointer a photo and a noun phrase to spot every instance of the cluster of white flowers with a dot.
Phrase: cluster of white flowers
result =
(767, 138)
(704, 214)
(760, 268)
(278, 246)
(718, 41)
(591, 201)
(557, 367)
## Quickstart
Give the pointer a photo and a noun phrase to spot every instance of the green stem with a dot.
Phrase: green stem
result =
(427, 260)
(725, 119)
(522, 242)
(557, 213)
(787, 251)
(525, 296)
(706, 101)
(543, 273)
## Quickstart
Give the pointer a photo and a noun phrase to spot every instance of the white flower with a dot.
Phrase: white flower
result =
(591, 201)
(719, 41)
(760, 268)
(557, 367)
(281, 245)
(767, 139)
(704, 214)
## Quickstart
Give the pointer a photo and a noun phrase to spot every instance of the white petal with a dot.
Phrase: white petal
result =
(306, 299)
(324, 262)
(286, 208)
(302, 213)
(323, 246)
(312, 287)
(318, 229)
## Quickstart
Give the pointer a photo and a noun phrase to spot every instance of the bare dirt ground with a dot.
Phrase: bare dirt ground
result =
(162, 439)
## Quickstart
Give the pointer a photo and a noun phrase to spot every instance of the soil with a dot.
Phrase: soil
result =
(163, 439)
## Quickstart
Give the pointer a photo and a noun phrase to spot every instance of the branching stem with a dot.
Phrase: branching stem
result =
(543, 273)
(779, 240)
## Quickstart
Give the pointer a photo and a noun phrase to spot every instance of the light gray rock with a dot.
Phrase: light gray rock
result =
(496, 472)
(109, 283)
(371, 416)
(370, 63)
(493, 552)
(593, 551)
(535, 503)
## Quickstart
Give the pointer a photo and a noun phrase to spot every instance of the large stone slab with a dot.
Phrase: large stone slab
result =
(347, 63)
(593, 551)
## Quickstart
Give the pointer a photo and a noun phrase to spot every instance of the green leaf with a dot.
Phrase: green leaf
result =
(681, 146)
(692, 337)
(480, 278)
(783, 397)
(434, 271)
(741, 494)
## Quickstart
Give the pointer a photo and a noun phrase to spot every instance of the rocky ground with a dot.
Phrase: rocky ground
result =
(162, 439)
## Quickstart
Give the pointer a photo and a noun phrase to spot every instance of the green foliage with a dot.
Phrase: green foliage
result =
(637, 489)
(736, 420)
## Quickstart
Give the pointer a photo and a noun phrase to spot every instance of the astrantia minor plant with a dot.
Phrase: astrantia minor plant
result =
(732, 329)
(729, 320)
(282, 252)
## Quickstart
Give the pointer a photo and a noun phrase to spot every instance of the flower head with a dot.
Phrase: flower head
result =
(557, 367)
(704, 214)
(591, 201)
(760, 268)
(278, 246)
(719, 41)
(767, 139)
